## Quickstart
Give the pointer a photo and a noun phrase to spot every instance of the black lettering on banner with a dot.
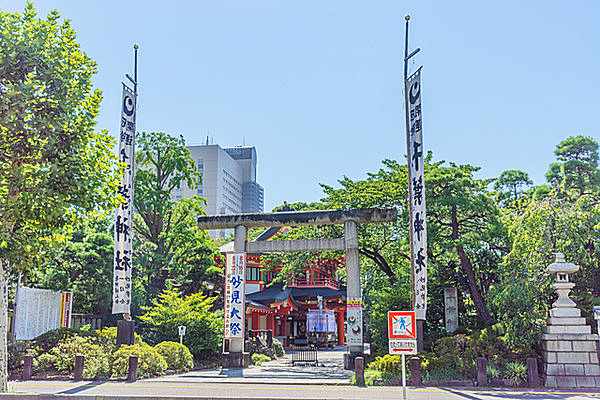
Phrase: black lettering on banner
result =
(122, 228)
(418, 225)
(416, 154)
(124, 157)
(420, 263)
(127, 137)
(123, 263)
(416, 126)
(418, 190)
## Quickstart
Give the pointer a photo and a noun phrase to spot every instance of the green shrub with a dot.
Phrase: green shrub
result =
(371, 377)
(516, 372)
(149, 360)
(44, 364)
(452, 358)
(16, 352)
(493, 372)
(177, 356)
(204, 326)
(388, 363)
(278, 347)
(107, 338)
(258, 359)
(97, 359)
(47, 341)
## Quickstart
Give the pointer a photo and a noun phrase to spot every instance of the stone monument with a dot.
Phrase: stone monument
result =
(570, 352)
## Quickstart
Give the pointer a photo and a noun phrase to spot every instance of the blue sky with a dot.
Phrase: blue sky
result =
(316, 86)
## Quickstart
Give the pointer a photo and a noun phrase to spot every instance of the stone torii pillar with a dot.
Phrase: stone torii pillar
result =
(349, 244)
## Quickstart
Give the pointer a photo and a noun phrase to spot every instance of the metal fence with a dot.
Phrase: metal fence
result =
(304, 355)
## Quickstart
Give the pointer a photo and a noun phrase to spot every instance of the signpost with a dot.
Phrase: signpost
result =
(354, 313)
(402, 336)
(451, 309)
(181, 333)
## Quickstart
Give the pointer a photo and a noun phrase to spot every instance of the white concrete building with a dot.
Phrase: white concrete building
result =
(228, 181)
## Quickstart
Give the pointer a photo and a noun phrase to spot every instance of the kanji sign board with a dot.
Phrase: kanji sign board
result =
(401, 325)
(403, 346)
(235, 295)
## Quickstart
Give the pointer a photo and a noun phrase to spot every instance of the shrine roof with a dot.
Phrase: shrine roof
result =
(277, 293)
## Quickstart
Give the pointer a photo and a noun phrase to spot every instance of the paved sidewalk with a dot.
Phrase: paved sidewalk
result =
(330, 371)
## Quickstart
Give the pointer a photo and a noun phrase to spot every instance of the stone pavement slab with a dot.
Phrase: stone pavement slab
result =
(329, 371)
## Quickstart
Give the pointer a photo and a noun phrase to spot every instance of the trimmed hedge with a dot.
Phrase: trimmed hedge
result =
(177, 356)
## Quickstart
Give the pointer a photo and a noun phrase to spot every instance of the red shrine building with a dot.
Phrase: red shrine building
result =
(288, 311)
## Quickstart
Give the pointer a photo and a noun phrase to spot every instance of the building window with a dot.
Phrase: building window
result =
(252, 274)
(201, 172)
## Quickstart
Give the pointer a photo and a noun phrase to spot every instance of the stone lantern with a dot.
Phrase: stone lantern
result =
(563, 287)
(569, 347)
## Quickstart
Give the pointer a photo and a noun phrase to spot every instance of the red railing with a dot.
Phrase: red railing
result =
(318, 283)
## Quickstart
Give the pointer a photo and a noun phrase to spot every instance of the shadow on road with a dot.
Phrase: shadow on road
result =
(83, 387)
(232, 372)
(472, 394)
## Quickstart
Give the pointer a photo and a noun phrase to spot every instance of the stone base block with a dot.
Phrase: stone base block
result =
(349, 359)
(565, 321)
(574, 329)
(565, 312)
(571, 361)
(235, 360)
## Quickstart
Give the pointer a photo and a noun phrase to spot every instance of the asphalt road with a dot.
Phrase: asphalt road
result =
(158, 390)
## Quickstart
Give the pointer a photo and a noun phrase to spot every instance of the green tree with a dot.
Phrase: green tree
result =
(83, 264)
(204, 326)
(464, 225)
(53, 165)
(167, 225)
(552, 224)
(577, 166)
(511, 185)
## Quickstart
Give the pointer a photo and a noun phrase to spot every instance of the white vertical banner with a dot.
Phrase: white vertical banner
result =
(417, 190)
(235, 295)
(354, 308)
(123, 219)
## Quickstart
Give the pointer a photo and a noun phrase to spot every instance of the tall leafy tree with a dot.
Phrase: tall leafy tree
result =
(165, 224)
(53, 166)
(511, 185)
(577, 166)
(464, 224)
(83, 264)
(544, 227)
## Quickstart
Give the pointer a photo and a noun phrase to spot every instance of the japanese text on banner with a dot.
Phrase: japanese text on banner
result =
(123, 220)
(235, 295)
(417, 185)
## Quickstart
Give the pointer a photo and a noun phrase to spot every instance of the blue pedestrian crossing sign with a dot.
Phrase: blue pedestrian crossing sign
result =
(401, 325)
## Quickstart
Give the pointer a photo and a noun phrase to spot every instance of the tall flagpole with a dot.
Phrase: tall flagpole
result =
(408, 155)
(407, 57)
(123, 233)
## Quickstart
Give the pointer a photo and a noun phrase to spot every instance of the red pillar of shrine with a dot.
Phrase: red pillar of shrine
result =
(255, 321)
(271, 323)
(339, 315)
(283, 323)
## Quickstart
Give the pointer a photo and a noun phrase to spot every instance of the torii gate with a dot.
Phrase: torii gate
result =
(349, 243)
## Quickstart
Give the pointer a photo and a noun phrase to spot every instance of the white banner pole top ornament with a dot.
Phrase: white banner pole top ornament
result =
(123, 219)
(417, 185)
